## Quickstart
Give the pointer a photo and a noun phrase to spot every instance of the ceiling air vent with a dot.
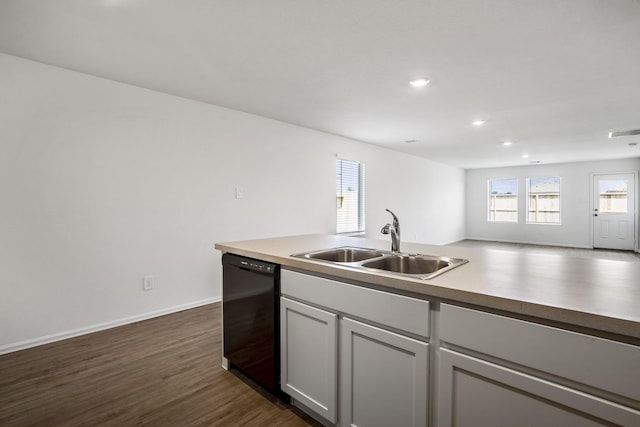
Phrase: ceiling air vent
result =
(624, 133)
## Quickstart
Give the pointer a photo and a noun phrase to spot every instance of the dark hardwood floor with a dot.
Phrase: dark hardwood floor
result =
(159, 372)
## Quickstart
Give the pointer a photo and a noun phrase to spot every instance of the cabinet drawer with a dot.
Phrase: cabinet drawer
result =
(597, 362)
(396, 311)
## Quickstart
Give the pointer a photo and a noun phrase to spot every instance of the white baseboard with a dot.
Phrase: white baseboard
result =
(10, 348)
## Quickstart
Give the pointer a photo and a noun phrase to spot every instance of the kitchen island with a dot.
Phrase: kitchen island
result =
(508, 333)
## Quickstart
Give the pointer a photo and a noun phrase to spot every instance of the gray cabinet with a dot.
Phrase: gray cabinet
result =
(478, 393)
(383, 369)
(383, 379)
(494, 370)
(360, 356)
(309, 357)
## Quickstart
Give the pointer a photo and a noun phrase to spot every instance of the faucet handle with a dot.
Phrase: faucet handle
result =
(385, 229)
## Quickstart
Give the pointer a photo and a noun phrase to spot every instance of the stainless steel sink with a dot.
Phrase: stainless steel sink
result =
(423, 266)
(343, 254)
(416, 266)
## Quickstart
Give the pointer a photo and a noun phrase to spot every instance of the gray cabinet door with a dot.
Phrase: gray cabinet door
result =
(476, 393)
(596, 362)
(383, 377)
(309, 356)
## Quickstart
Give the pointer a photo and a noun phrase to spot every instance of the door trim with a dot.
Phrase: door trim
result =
(636, 207)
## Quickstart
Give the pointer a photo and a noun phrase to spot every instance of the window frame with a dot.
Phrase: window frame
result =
(341, 221)
(490, 198)
(612, 196)
(528, 200)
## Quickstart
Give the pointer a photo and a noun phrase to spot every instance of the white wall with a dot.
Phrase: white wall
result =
(575, 230)
(427, 197)
(102, 183)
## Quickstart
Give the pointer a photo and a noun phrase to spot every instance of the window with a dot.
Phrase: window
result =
(503, 200)
(543, 196)
(613, 196)
(349, 196)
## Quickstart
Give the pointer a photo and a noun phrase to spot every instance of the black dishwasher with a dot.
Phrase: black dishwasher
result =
(250, 316)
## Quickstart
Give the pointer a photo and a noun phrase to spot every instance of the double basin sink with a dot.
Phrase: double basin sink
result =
(417, 266)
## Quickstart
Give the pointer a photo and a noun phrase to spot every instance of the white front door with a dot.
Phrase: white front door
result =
(614, 211)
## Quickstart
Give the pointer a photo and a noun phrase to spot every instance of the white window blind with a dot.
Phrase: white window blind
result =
(349, 196)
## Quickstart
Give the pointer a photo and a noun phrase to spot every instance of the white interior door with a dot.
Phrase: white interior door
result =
(614, 208)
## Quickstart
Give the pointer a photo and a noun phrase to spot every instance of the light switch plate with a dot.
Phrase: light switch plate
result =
(147, 283)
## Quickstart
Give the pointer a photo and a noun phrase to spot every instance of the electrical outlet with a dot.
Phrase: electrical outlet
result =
(147, 283)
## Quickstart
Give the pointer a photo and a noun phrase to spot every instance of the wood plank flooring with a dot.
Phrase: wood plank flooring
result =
(164, 371)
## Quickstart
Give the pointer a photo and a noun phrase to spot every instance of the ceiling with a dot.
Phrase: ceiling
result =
(552, 76)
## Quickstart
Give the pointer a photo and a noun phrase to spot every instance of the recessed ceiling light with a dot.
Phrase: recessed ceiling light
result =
(419, 82)
(478, 122)
(524, 156)
(507, 143)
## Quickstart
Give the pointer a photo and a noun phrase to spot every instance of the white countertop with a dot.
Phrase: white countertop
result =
(591, 293)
